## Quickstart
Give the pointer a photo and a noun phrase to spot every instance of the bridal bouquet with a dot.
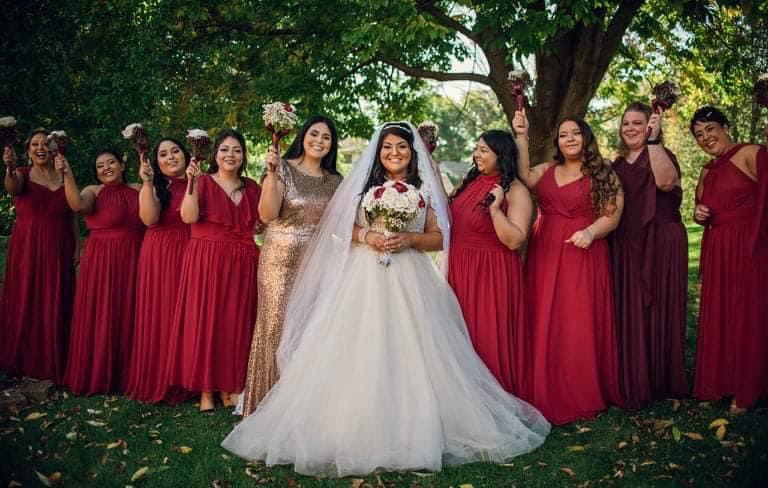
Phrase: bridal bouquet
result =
(279, 119)
(395, 203)
(57, 142)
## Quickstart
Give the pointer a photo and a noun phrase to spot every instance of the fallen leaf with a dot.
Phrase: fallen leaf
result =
(140, 473)
(95, 423)
(35, 416)
(635, 438)
(567, 471)
(577, 448)
(675, 405)
(676, 434)
(674, 466)
(14, 484)
(422, 475)
(184, 449)
(622, 444)
(647, 463)
(357, 482)
(51, 480)
(252, 473)
(720, 432)
(582, 430)
(115, 444)
(718, 423)
(694, 436)
(509, 465)
(661, 424)
(71, 436)
(466, 485)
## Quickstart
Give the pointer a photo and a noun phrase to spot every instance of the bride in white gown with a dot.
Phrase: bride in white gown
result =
(377, 369)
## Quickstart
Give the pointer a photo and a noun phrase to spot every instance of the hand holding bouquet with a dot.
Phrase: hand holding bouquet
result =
(664, 96)
(395, 204)
(517, 82)
(279, 119)
(138, 136)
(200, 142)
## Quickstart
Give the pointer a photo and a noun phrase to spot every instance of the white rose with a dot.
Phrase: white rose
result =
(7, 122)
(413, 196)
(195, 133)
(389, 196)
(401, 202)
(129, 130)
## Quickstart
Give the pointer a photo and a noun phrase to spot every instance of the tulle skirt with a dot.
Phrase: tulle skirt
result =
(386, 377)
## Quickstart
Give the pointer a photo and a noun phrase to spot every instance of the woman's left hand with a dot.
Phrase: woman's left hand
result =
(498, 197)
(581, 238)
(399, 242)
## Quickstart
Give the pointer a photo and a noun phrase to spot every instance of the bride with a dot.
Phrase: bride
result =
(377, 369)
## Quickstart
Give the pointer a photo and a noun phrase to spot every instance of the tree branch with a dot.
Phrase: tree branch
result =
(615, 32)
(434, 75)
(429, 7)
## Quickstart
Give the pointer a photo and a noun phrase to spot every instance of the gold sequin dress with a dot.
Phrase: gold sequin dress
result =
(286, 239)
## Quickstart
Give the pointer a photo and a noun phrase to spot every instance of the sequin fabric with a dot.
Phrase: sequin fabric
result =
(285, 240)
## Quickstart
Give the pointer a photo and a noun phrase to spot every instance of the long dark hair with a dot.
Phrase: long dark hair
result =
(159, 180)
(296, 149)
(214, 166)
(118, 157)
(503, 146)
(377, 176)
(605, 184)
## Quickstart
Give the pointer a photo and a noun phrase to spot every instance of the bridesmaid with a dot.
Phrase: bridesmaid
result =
(732, 195)
(571, 355)
(102, 321)
(491, 211)
(649, 264)
(294, 194)
(216, 306)
(157, 284)
(36, 298)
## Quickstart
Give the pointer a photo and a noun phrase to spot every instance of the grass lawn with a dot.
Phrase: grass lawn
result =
(107, 440)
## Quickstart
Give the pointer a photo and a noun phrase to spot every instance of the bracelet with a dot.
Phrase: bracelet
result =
(653, 142)
(362, 234)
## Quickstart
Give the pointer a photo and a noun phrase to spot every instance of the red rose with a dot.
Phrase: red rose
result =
(378, 192)
(288, 107)
(400, 187)
(422, 204)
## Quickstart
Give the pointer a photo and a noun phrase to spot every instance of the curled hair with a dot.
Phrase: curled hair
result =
(605, 185)
(117, 156)
(638, 107)
(503, 146)
(159, 180)
(378, 174)
(296, 149)
(708, 113)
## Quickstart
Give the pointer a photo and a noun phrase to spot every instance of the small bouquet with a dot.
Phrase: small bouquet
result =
(761, 90)
(517, 82)
(9, 135)
(200, 142)
(57, 142)
(429, 131)
(279, 119)
(395, 203)
(665, 95)
(138, 136)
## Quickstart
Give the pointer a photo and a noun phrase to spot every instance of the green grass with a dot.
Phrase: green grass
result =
(657, 446)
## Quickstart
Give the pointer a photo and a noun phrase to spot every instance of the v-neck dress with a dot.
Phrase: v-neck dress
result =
(216, 305)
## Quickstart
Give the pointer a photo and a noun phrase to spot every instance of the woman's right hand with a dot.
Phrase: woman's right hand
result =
(193, 170)
(377, 241)
(701, 213)
(145, 170)
(9, 157)
(272, 160)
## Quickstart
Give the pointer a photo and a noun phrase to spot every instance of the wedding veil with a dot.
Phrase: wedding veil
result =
(322, 268)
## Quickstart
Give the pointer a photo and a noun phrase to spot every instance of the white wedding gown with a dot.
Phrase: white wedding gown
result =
(387, 378)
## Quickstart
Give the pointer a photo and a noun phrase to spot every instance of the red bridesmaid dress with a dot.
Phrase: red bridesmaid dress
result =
(649, 266)
(36, 299)
(732, 342)
(488, 281)
(157, 287)
(571, 358)
(102, 321)
(216, 307)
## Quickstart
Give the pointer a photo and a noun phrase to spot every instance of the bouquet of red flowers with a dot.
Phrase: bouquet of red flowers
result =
(395, 204)
(517, 82)
(429, 132)
(138, 136)
(8, 132)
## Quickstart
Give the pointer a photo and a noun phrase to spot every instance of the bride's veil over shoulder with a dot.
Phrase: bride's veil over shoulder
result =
(323, 264)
